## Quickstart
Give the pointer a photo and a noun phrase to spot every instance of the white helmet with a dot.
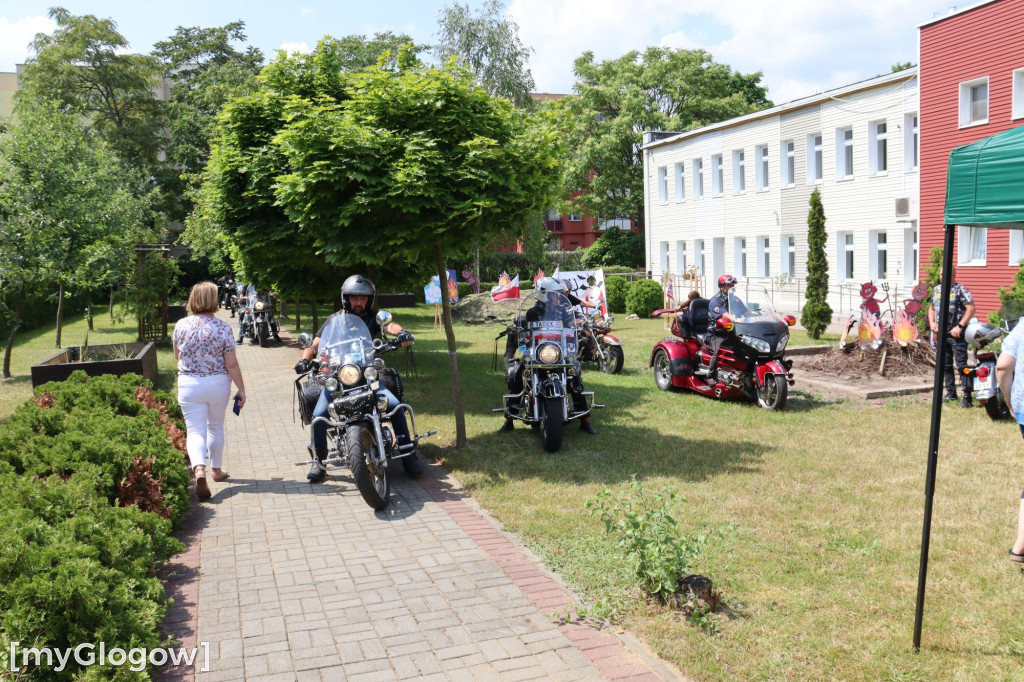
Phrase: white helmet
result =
(980, 334)
(548, 285)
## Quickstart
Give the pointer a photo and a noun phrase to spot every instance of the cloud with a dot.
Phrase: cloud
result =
(302, 47)
(306, 12)
(15, 37)
(802, 46)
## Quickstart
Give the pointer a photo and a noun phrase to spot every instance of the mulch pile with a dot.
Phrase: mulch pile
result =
(474, 308)
(916, 360)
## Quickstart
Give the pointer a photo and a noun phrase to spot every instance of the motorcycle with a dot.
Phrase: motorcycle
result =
(750, 361)
(546, 366)
(258, 322)
(598, 345)
(360, 435)
(224, 292)
(982, 374)
(236, 300)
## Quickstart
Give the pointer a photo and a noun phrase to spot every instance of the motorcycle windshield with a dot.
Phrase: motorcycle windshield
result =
(556, 312)
(345, 340)
(761, 311)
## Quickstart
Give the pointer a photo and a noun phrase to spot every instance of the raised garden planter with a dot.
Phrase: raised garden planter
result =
(105, 359)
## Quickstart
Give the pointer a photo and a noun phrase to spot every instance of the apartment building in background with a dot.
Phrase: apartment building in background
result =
(733, 197)
(972, 86)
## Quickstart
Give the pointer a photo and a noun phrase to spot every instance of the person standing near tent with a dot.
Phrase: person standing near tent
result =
(961, 310)
(1010, 375)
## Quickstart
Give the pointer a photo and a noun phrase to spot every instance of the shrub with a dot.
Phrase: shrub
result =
(616, 288)
(644, 297)
(616, 247)
(465, 289)
(817, 313)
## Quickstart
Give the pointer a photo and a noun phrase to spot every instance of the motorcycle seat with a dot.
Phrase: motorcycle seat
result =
(699, 318)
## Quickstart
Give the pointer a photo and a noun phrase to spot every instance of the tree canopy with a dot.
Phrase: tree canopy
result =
(617, 100)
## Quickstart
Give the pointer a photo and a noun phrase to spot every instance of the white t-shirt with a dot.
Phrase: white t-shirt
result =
(1013, 345)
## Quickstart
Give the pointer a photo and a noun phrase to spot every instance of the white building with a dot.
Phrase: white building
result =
(733, 197)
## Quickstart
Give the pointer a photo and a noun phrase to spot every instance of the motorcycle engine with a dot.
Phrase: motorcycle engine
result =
(730, 378)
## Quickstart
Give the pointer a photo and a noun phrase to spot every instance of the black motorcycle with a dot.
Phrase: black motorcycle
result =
(597, 343)
(225, 289)
(360, 435)
(258, 321)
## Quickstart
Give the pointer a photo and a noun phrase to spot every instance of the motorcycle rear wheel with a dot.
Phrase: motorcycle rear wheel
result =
(373, 486)
(772, 396)
(551, 426)
(997, 409)
(614, 362)
(663, 371)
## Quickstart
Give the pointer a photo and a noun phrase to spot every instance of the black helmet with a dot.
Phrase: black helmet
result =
(357, 285)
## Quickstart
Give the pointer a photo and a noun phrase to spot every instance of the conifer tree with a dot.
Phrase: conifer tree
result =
(816, 313)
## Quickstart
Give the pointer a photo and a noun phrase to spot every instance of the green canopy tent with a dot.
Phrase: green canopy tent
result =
(984, 188)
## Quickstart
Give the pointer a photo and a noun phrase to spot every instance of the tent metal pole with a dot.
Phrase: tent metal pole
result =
(933, 438)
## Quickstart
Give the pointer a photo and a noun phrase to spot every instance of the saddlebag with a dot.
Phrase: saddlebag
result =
(309, 394)
(392, 380)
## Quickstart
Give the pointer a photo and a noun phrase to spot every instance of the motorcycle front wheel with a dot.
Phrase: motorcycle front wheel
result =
(611, 359)
(262, 334)
(372, 485)
(551, 426)
(997, 409)
(772, 396)
(663, 371)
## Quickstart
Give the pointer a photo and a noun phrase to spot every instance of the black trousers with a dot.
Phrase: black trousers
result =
(714, 342)
(956, 349)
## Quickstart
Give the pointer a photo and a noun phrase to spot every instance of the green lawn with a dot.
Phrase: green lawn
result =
(814, 514)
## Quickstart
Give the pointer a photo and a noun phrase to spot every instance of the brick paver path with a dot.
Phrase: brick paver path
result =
(306, 582)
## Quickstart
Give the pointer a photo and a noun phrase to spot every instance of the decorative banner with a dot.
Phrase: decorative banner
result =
(539, 275)
(586, 285)
(507, 289)
(453, 289)
(432, 292)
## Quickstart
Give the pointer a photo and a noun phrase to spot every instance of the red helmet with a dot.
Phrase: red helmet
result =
(726, 280)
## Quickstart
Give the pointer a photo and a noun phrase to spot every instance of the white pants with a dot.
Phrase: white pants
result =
(204, 402)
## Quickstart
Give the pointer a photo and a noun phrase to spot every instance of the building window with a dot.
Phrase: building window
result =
(845, 241)
(680, 257)
(844, 153)
(698, 178)
(575, 217)
(664, 257)
(878, 255)
(552, 214)
(717, 176)
(740, 256)
(788, 254)
(680, 183)
(764, 268)
(698, 255)
(974, 102)
(1016, 247)
(1018, 95)
(814, 172)
(972, 246)
(910, 143)
(878, 148)
(910, 255)
(739, 172)
(662, 185)
(761, 154)
(788, 166)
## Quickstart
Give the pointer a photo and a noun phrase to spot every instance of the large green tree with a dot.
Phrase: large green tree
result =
(417, 163)
(487, 43)
(617, 100)
(86, 68)
(69, 214)
(816, 313)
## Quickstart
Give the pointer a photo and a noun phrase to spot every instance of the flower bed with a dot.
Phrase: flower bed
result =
(91, 484)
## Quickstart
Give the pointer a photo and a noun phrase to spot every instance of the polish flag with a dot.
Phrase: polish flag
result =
(507, 290)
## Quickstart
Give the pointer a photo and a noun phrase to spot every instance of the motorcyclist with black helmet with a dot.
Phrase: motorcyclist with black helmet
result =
(547, 291)
(357, 298)
(718, 305)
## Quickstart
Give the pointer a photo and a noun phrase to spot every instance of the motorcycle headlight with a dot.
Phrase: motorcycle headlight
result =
(370, 374)
(760, 345)
(349, 375)
(609, 320)
(331, 385)
(549, 353)
(259, 305)
(781, 346)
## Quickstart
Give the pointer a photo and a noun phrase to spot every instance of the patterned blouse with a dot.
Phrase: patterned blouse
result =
(202, 342)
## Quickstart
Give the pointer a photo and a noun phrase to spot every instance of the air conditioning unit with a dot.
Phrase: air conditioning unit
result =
(902, 207)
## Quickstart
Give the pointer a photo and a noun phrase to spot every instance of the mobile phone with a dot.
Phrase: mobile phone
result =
(238, 405)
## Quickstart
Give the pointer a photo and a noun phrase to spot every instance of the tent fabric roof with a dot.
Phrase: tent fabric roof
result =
(985, 182)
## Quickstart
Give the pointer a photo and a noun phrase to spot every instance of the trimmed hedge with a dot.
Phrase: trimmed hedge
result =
(644, 297)
(78, 563)
(616, 288)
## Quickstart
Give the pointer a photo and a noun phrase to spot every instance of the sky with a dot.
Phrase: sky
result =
(801, 46)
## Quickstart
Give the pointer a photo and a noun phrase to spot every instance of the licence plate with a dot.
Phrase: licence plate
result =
(982, 384)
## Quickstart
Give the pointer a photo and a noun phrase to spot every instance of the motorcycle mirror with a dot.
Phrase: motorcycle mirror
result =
(384, 318)
(305, 340)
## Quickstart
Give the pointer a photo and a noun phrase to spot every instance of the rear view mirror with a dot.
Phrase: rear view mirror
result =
(384, 318)
(305, 340)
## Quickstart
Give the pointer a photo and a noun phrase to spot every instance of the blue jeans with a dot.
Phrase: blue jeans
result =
(320, 428)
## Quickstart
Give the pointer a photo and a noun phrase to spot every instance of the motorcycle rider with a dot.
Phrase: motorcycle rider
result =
(546, 291)
(718, 305)
(357, 298)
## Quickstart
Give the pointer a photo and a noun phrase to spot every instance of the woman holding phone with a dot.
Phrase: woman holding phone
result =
(205, 350)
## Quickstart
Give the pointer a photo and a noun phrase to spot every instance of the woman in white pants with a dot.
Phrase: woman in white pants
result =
(205, 349)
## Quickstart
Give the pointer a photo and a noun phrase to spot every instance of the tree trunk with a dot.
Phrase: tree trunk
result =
(477, 269)
(298, 317)
(88, 311)
(460, 417)
(60, 313)
(111, 303)
(15, 323)
(316, 318)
